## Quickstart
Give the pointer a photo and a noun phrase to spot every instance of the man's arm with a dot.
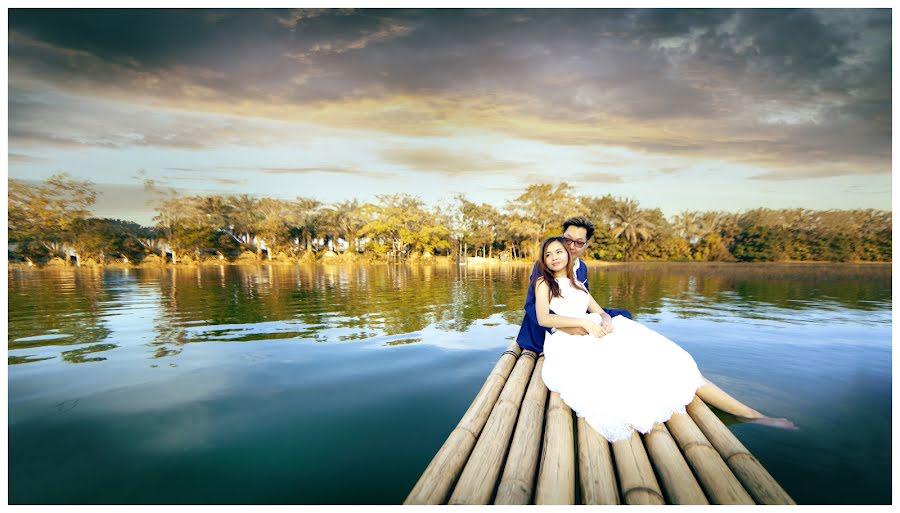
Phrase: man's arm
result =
(593, 307)
(547, 318)
(529, 305)
(531, 314)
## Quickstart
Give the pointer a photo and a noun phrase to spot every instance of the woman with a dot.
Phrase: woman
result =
(629, 378)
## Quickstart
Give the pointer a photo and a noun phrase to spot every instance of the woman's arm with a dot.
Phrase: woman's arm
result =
(550, 320)
(594, 307)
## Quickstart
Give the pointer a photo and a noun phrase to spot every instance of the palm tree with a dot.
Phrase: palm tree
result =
(348, 221)
(687, 226)
(632, 224)
(309, 219)
(244, 218)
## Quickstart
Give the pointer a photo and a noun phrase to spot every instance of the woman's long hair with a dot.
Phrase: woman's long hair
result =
(547, 274)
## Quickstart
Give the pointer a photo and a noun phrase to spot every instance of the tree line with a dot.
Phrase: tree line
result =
(52, 219)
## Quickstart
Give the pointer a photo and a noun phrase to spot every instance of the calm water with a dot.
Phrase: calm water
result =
(336, 385)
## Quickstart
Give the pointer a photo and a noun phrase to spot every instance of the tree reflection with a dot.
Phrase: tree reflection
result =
(16, 360)
(56, 307)
(81, 355)
(346, 303)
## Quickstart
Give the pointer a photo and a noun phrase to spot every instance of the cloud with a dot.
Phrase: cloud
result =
(446, 162)
(24, 138)
(860, 190)
(507, 190)
(386, 31)
(204, 179)
(777, 88)
(325, 169)
(819, 170)
(670, 170)
(389, 30)
(300, 170)
(596, 178)
(295, 16)
(20, 158)
(51, 120)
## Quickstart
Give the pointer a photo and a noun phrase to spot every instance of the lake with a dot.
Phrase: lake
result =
(327, 384)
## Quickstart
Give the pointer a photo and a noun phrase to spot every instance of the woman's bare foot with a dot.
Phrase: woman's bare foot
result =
(780, 423)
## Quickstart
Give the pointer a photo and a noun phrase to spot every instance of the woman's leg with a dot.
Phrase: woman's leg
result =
(715, 396)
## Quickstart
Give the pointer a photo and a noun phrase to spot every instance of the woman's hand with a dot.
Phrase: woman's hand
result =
(594, 329)
(606, 322)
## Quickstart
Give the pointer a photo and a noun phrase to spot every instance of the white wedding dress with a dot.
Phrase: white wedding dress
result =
(629, 379)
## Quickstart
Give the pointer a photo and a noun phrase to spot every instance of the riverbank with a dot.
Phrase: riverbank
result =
(347, 259)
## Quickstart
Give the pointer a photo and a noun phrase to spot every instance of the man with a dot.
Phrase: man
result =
(577, 232)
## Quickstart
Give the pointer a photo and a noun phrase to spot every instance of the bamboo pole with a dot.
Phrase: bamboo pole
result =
(749, 471)
(435, 483)
(678, 483)
(479, 477)
(597, 477)
(717, 480)
(556, 477)
(636, 477)
(517, 483)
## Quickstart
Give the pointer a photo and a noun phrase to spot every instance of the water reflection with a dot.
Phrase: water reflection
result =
(166, 308)
(81, 355)
(290, 372)
(56, 307)
(741, 290)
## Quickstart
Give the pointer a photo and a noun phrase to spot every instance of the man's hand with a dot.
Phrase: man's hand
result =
(573, 331)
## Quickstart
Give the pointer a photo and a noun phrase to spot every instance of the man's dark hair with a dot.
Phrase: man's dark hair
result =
(579, 222)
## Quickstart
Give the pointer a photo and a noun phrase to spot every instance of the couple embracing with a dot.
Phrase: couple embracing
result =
(617, 374)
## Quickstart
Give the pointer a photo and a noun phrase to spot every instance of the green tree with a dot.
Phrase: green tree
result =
(632, 225)
(44, 213)
(514, 230)
(398, 224)
(99, 239)
(342, 220)
(278, 222)
(474, 223)
(687, 226)
(243, 220)
(183, 226)
(541, 210)
(764, 236)
(308, 218)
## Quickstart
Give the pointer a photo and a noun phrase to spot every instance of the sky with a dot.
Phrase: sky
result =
(679, 109)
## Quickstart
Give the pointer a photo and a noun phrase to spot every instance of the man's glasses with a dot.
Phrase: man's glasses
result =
(576, 243)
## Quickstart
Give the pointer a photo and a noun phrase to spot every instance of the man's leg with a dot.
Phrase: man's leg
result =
(623, 313)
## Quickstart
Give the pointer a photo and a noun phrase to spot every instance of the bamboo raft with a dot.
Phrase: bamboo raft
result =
(516, 445)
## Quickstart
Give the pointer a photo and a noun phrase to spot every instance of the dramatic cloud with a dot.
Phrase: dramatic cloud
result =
(647, 80)
(782, 94)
